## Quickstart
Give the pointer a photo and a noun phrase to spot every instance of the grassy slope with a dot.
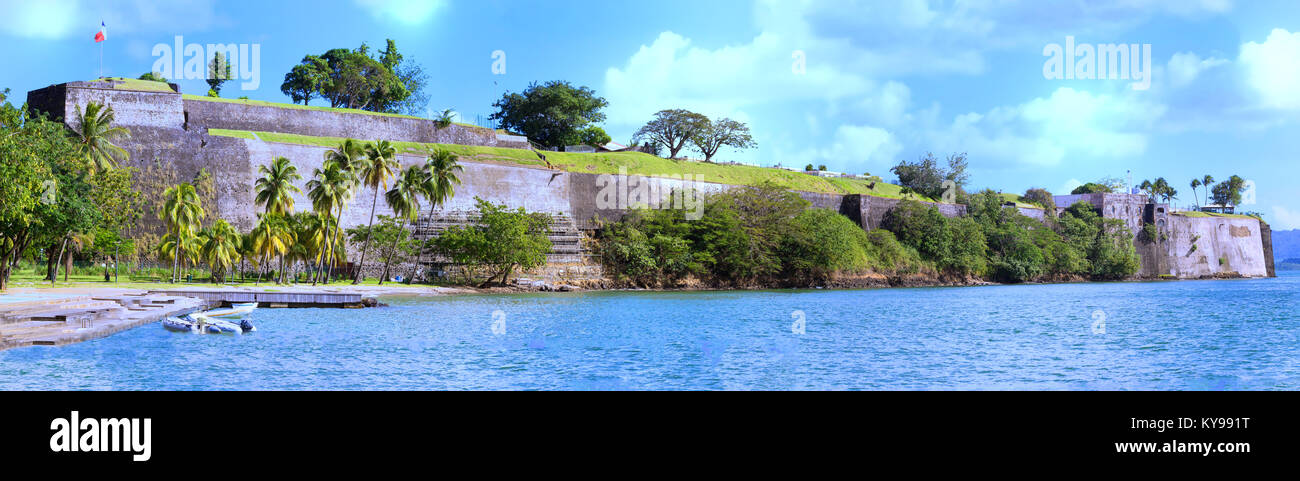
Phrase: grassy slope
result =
(1211, 214)
(609, 163)
(136, 84)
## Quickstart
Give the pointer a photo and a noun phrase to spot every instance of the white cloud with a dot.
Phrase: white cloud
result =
(860, 147)
(1272, 69)
(1070, 124)
(407, 12)
(671, 73)
(1184, 67)
(46, 20)
(1068, 187)
(1285, 219)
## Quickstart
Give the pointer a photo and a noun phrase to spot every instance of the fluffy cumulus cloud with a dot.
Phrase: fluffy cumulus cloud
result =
(1272, 69)
(69, 18)
(855, 149)
(406, 12)
(1045, 131)
(1184, 67)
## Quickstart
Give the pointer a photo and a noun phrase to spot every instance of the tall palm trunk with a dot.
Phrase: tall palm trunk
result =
(176, 257)
(54, 276)
(338, 232)
(366, 245)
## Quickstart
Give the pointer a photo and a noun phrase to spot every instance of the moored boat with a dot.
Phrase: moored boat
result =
(236, 311)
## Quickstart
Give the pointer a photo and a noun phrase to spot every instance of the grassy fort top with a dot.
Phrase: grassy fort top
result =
(609, 163)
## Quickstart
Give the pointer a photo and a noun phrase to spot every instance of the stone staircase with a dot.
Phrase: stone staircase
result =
(566, 239)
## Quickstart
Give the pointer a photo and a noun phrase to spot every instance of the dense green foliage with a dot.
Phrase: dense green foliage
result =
(356, 80)
(928, 178)
(500, 241)
(553, 114)
(761, 235)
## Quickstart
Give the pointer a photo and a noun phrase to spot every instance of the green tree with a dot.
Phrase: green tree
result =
(221, 249)
(1196, 183)
(1208, 183)
(218, 73)
(96, 135)
(272, 236)
(927, 178)
(502, 241)
(27, 148)
(722, 133)
(154, 77)
(441, 176)
(673, 128)
(1228, 192)
(275, 188)
(1042, 198)
(550, 113)
(330, 189)
(594, 136)
(404, 200)
(182, 212)
(374, 170)
(307, 80)
(358, 81)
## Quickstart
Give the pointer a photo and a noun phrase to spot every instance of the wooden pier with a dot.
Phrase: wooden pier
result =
(289, 299)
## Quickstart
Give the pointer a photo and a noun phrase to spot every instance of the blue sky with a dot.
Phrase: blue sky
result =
(882, 81)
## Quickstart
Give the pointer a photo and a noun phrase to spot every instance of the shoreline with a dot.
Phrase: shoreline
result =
(59, 333)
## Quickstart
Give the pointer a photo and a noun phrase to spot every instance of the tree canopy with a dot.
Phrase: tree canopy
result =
(552, 114)
(673, 128)
(355, 79)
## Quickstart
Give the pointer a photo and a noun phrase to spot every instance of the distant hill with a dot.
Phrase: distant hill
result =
(1286, 244)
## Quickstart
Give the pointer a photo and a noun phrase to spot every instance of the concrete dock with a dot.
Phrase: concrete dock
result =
(72, 319)
(315, 298)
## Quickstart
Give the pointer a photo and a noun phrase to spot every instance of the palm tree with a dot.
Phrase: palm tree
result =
(442, 171)
(96, 134)
(1162, 189)
(404, 200)
(330, 190)
(272, 237)
(441, 178)
(347, 154)
(374, 171)
(1207, 182)
(1195, 184)
(275, 187)
(221, 249)
(182, 211)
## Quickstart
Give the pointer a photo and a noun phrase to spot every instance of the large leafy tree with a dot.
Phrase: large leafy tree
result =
(275, 188)
(552, 114)
(374, 170)
(1229, 191)
(672, 129)
(722, 133)
(354, 79)
(927, 177)
(27, 148)
(182, 212)
(502, 241)
(96, 134)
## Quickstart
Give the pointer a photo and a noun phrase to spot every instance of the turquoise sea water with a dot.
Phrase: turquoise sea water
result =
(1231, 334)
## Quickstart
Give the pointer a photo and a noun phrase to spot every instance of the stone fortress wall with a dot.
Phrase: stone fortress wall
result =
(167, 128)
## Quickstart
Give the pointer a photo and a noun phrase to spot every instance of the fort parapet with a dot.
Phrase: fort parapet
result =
(173, 130)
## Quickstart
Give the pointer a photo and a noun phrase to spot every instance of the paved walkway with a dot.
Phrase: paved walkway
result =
(60, 320)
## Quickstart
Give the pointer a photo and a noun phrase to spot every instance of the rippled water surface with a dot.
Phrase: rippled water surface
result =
(1240, 334)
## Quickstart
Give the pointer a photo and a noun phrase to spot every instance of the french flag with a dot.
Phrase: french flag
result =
(102, 34)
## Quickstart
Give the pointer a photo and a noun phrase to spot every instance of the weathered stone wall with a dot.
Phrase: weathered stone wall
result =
(1223, 245)
(171, 131)
(321, 123)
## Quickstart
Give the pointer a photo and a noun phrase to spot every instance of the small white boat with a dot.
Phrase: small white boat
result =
(210, 325)
(176, 324)
(234, 312)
